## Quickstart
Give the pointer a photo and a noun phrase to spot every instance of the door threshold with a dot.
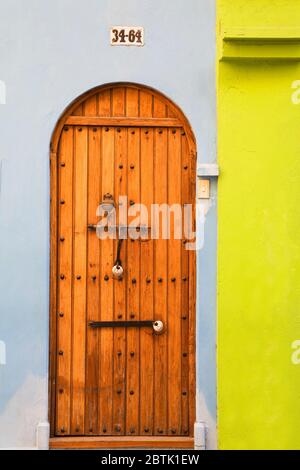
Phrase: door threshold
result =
(121, 442)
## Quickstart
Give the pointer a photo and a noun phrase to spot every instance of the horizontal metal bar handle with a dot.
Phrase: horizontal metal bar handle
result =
(123, 324)
(157, 325)
(138, 228)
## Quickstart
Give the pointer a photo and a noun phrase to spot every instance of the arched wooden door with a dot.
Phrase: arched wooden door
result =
(115, 379)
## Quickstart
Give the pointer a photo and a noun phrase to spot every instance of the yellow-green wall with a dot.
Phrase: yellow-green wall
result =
(258, 237)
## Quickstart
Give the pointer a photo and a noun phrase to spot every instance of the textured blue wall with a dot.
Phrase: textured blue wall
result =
(51, 52)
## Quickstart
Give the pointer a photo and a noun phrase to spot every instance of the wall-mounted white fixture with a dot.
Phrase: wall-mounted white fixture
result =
(2, 353)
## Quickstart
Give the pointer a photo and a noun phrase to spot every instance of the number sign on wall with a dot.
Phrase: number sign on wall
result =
(127, 36)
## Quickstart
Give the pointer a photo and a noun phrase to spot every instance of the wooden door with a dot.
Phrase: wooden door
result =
(121, 380)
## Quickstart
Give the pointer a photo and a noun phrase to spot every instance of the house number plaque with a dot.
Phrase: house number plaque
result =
(127, 36)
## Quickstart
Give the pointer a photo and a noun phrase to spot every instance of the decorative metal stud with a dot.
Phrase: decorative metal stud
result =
(160, 279)
(131, 353)
(104, 430)
(146, 429)
(90, 430)
(184, 317)
(132, 166)
(132, 315)
(160, 131)
(80, 129)
(106, 129)
(62, 276)
(119, 391)
(120, 315)
(184, 354)
(94, 129)
(63, 164)
(173, 279)
(131, 392)
(132, 430)
(77, 430)
(61, 314)
(133, 280)
(174, 131)
(184, 278)
(132, 132)
(119, 353)
(62, 239)
(62, 202)
(182, 133)
(94, 278)
(131, 202)
(106, 277)
(66, 128)
(61, 390)
(121, 166)
(62, 430)
(184, 394)
(78, 277)
(118, 428)
(185, 167)
(160, 431)
(148, 280)
(61, 353)
(118, 129)
(146, 132)
(173, 431)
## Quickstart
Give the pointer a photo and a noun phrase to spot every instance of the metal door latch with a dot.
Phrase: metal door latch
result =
(157, 325)
(117, 269)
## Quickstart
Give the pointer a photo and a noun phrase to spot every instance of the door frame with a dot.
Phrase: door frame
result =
(115, 441)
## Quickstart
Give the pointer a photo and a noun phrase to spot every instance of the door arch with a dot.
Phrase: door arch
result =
(116, 381)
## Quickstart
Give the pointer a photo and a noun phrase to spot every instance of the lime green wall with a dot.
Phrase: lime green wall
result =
(258, 238)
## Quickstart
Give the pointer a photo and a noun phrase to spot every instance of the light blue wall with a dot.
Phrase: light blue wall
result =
(51, 51)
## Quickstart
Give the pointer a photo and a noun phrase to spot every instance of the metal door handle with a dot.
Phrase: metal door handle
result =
(138, 228)
(157, 325)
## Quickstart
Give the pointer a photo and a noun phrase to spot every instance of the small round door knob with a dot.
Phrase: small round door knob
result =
(158, 326)
(117, 271)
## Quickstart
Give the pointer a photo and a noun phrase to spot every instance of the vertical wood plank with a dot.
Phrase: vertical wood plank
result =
(54, 282)
(161, 277)
(174, 287)
(159, 108)
(90, 106)
(64, 307)
(160, 282)
(170, 113)
(132, 102)
(118, 101)
(93, 280)
(120, 290)
(186, 199)
(104, 363)
(119, 346)
(133, 291)
(107, 293)
(192, 302)
(79, 110)
(146, 104)
(104, 103)
(79, 280)
(146, 308)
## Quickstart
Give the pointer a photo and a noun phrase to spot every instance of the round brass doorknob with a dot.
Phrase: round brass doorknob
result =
(158, 327)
